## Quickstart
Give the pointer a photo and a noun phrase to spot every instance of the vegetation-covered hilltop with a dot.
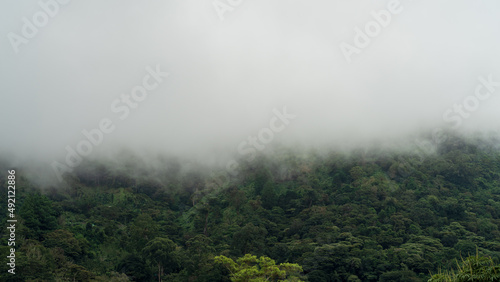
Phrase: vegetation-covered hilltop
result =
(366, 215)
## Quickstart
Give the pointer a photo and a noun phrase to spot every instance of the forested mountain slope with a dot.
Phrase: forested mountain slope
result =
(365, 215)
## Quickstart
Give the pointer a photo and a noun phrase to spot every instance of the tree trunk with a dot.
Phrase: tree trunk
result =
(159, 272)
(206, 223)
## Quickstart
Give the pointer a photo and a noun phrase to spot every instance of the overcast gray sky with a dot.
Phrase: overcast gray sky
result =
(227, 76)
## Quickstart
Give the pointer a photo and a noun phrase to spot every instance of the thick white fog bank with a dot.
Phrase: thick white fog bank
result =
(209, 80)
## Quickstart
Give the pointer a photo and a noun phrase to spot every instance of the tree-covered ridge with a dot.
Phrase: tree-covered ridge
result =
(366, 215)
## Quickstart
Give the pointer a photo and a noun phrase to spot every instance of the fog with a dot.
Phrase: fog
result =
(232, 65)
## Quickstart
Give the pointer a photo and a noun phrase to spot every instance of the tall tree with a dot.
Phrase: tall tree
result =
(160, 251)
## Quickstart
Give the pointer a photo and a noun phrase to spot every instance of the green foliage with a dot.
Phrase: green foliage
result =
(473, 268)
(67, 242)
(160, 251)
(38, 214)
(135, 267)
(367, 215)
(143, 229)
(34, 261)
(250, 238)
(476, 268)
(251, 268)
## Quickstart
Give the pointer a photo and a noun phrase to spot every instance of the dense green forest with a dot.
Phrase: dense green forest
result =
(359, 215)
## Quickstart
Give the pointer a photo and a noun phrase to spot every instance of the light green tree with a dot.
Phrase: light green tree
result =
(474, 268)
(252, 269)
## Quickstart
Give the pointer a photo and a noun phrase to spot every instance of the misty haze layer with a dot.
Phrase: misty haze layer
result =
(219, 73)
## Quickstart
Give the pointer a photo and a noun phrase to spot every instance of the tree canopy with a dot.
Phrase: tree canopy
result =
(368, 214)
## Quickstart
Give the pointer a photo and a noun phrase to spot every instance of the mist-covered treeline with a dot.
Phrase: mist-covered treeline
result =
(363, 215)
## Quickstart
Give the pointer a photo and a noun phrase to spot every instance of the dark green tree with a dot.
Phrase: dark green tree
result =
(160, 251)
(38, 215)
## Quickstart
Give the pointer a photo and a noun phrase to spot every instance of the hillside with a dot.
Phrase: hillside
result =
(363, 215)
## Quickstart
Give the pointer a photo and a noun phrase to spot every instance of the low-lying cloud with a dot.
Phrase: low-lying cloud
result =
(227, 75)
